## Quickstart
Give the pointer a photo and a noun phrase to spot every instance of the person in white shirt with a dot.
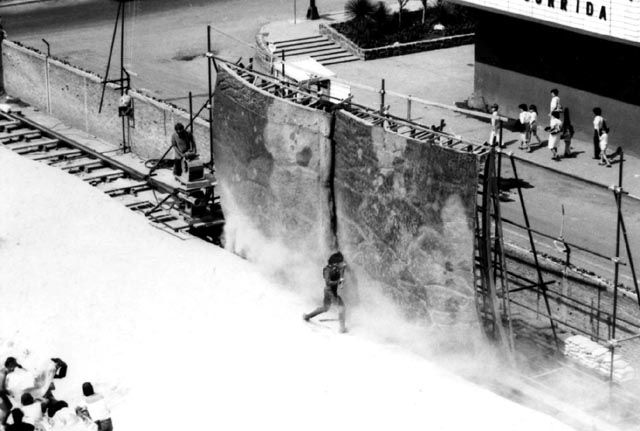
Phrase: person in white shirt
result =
(555, 130)
(523, 126)
(533, 124)
(96, 408)
(32, 410)
(555, 102)
(598, 121)
(567, 132)
(494, 136)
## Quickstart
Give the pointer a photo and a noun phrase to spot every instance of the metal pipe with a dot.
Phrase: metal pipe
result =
(122, 49)
(542, 287)
(47, 76)
(545, 235)
(209, 102)
(382, 92)
(48, 47)
(575, 328)
(629, 256)
(616, 263)
(282, 56)
(124, 131)
(113, 40)
(526, 221)
(191, 112)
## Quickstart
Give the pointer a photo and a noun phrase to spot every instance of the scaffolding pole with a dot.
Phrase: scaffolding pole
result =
(542, 288)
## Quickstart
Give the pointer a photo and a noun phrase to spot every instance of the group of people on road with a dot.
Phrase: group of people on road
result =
(560, 130)
(28, 403)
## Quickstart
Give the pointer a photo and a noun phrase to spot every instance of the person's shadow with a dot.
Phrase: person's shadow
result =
(536, 147)
(572, 155)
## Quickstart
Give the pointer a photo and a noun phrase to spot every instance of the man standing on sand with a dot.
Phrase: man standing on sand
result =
(333, 275)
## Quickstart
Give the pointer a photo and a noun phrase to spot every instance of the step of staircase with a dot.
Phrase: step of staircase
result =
(320, 48)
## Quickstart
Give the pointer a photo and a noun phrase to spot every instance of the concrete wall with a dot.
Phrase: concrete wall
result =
(404, 208)
(491, 82)
(74, 97)
(589, 72)
(406, 215)
(274, 156)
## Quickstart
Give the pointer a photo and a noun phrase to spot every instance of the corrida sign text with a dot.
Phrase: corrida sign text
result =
(616, 18)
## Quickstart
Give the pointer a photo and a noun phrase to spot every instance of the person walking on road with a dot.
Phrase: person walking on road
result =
(494, 136)
(567, 132)
(598, 121)
(524, 127)
(533, 125)
(604, 143)
(555, 130)
(333, 275)
(555, 105)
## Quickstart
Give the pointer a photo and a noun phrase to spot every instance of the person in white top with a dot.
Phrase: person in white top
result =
(555, 130)
(494, 136)
(96, 408)
(523, 126)
(598, 121)
(32, 410)
(533, 124)
(555, 102)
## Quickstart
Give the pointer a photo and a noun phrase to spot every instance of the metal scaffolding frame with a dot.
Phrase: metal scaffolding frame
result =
(491, 263)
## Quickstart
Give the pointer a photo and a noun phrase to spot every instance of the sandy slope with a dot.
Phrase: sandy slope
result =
(184, 335)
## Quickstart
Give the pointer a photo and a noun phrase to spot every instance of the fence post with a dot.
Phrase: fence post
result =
(382, 97)
(46, 76)
(409, 107)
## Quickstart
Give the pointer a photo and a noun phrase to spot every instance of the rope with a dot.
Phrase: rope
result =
(133, 6)
(153, 164)
(234, 38)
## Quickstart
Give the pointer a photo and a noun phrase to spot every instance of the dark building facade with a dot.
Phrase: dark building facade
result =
(587, 50)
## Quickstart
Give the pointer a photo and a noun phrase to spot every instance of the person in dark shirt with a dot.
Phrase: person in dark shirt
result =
(333, 275)
(18, 425)
(184, 146)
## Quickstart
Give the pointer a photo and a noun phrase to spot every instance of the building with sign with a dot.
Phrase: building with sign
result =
(584, 48)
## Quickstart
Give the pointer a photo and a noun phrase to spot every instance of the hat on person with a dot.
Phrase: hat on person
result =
(336, 257)
(10, 362)
(87, 389)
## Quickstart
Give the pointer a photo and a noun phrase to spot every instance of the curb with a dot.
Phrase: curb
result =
(9, 3)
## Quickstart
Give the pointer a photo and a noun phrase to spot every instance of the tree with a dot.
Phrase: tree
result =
(401, 5)
(424, 10)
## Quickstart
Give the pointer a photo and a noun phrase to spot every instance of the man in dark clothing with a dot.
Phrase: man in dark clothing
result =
(184, 147)
(18, 425)
(5, 403)
(333, 275)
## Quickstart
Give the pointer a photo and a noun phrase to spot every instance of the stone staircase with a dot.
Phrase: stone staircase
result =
(318, 47)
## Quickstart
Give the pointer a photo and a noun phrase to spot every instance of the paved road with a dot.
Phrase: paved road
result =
(164, 43)
(589, 221)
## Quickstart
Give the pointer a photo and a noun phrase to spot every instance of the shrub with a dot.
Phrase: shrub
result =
(381, 15)
(380, 28)
(359, 10)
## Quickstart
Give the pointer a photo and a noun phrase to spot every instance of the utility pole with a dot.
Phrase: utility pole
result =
(125, 80)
